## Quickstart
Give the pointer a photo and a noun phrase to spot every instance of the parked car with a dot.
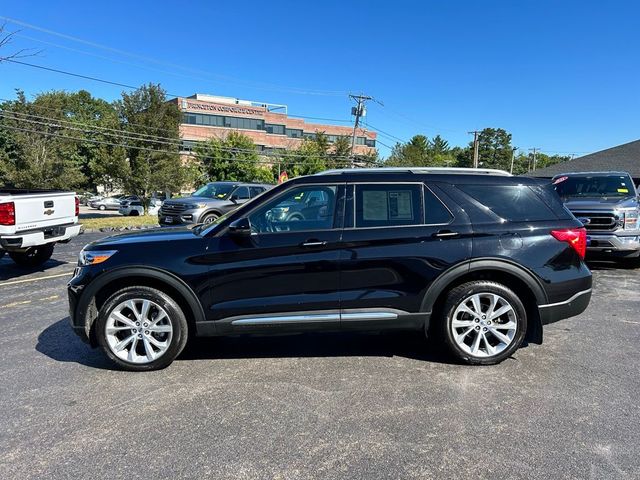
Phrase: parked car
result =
(33, 221)
(478, 259)
(86, 197)
(608, 205)
(135, 207)
(208, 202)
(107, 203)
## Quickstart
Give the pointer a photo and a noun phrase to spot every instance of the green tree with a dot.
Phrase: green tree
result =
(420, 152)
(38, 143)
(232, 158)
(151, 125)
(494, 148)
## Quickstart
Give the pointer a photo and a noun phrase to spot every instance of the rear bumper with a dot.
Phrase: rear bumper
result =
(33, 238)
(571, 307)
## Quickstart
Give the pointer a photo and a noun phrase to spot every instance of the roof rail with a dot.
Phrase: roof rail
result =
(441, 170)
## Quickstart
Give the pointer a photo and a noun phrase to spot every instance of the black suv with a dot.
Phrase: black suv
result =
(480, 260)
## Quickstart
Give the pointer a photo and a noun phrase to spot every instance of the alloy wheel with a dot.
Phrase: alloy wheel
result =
(484, 324)
(138, 331)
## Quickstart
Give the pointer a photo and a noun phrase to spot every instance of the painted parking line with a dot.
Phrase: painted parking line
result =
(27, 280)
(26, 302)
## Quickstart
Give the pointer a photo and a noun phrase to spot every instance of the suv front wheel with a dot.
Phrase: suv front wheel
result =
(141, 329)
(484, 322)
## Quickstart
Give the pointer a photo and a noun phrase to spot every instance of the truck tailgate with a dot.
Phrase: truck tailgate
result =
(44, 209)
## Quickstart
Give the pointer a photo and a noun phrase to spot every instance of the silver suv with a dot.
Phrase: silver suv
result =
(208, 202)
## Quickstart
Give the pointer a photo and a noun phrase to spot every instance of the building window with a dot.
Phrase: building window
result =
(294, 133)
(309, 136)
(274, 129)
(223, 121)
(187, 145)
(370, 143)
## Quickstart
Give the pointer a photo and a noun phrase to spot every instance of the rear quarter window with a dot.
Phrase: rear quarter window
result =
(516, 203)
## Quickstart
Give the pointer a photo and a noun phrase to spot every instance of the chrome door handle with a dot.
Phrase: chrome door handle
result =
(313, 243)
(446, 234)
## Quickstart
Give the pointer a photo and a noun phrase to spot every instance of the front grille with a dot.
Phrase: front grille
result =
(172, 208)
(600, 221)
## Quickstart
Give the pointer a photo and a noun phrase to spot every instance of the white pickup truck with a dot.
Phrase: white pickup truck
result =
(33, 221)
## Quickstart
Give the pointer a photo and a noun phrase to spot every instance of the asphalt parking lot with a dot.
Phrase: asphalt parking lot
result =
(321, 406)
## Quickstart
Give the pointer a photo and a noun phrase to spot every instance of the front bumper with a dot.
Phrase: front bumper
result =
(182, 218)
(611, 243)
(34, 238)
(571, 307)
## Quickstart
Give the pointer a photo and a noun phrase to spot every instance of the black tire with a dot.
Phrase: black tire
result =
(34, 257)
(102, 208)
(209, 218)
(134, 213)
(456, 297)
(178, 321)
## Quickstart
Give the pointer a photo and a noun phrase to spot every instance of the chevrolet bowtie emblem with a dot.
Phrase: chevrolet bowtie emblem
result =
(49, 212)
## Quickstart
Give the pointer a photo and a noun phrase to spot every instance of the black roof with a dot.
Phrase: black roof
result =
(625, 158)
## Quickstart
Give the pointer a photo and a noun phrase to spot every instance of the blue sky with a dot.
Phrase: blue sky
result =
(562, 76)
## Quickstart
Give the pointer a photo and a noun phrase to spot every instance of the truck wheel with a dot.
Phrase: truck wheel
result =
(141, 328)
(33, 257)
(483, 322)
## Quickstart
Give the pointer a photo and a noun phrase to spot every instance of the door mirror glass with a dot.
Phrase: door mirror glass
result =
(240, 227)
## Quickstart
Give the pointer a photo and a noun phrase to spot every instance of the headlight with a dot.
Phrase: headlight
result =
(192, 206)
(94, 257)
(630, 219)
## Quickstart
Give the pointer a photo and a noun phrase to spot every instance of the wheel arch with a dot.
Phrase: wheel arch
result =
(107, 284)
(510, 274)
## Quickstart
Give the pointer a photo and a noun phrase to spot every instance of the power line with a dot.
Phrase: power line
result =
(134, 147)
(256, 85)
(124, 134)
(87, 77)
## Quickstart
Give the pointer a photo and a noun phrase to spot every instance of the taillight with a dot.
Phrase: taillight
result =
(7, 213)
(576, 237)
(77, 206)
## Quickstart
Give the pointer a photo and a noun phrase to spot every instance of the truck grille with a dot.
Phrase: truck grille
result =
(172, 208)
(600, 221)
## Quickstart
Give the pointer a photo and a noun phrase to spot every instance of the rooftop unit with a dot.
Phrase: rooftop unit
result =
(270, 107)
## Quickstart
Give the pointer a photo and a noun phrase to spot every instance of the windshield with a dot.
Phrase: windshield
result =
(595, 186)
(214, 190)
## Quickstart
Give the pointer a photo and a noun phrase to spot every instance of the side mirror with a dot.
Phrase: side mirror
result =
(240, 227)
(234, 198)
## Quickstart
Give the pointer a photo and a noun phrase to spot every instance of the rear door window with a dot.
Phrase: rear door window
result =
(517, 203)
(388, 205)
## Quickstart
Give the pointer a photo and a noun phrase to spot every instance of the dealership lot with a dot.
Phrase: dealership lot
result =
(317, 406)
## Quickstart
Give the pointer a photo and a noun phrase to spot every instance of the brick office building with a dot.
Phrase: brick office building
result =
(268, 125)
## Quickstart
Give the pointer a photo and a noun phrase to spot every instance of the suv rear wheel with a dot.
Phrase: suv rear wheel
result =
(141, 329)
(484, 322)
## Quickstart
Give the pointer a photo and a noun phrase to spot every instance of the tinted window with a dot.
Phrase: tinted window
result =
(308, 207)
(511, 202)
(241, 193)
(214, 190)
(388, 205)
(255, 191)
(434, 211)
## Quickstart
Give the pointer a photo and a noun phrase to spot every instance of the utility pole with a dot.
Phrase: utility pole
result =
(358, 111)
(513, 154)
(475, 148)
(535, 151)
